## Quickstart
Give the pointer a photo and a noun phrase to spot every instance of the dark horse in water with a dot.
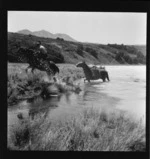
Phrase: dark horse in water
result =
(32, 58)
(93, 73)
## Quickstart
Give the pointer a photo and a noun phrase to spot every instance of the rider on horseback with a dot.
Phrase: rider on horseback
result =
(41, 51)
(37, 58)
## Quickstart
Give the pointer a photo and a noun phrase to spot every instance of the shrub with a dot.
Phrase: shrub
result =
(60, 39)
(80, 50)
(91, 51)
(54, 54)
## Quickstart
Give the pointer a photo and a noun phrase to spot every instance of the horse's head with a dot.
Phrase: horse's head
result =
(22, 51)
(81, 64)
(86, 69)
(25, 53)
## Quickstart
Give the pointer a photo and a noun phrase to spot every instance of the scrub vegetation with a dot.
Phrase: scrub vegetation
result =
(62, 51)
(91, 130)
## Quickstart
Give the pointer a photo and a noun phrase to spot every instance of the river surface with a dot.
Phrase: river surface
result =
(126, 91)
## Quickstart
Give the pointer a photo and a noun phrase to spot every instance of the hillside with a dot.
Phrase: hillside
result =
(46, 34)
(141, 48)
(61, 51)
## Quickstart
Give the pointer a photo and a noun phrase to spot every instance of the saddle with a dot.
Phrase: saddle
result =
(38, 57)
(95, 72)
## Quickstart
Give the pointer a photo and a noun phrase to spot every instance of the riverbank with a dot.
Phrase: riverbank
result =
(91, 130)
(22, 85)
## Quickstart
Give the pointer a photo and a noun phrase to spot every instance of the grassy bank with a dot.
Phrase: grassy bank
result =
(22, 85)
(91, 130)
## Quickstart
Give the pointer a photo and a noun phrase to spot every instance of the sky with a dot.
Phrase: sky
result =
(95, 27)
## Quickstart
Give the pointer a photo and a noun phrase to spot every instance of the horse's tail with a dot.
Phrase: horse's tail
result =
(57, 69)
(54, 68)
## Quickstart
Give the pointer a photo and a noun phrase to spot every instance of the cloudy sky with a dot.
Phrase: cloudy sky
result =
(95, 27)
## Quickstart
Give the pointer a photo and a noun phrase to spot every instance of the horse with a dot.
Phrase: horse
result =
(93, 73)
(35, 62)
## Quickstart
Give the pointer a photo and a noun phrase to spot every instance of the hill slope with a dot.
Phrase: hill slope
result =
(46, 34)
(141, 48)
(61, 51)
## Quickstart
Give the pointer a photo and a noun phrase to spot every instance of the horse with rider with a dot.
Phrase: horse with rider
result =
(37, 58)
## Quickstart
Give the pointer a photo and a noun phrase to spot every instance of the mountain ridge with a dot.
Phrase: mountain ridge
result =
(47, 34)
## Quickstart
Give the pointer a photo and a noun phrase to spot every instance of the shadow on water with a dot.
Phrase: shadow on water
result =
(42, 107)
(31, 109)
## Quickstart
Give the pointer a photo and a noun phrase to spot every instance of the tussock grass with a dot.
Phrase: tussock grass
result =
(21, 86)
(91, 130)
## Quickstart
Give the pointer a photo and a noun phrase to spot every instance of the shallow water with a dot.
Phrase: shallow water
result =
(126, 91)
(129, 84)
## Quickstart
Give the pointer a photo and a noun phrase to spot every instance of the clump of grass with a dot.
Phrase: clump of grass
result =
(90, 131)
(19, 136)
(68, 84)
(70, 71)
(22, 86)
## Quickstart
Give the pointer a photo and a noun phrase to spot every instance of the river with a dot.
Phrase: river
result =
(126, 91)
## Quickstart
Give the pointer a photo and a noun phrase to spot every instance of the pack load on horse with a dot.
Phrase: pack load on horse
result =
(94, 72)
(37, 59)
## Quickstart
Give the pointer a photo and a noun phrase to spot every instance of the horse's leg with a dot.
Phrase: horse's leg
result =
(108, 77)
(103, 79)
(55, 79)
(103, 76)
(26, 70)
(49, 75)
(32, 70)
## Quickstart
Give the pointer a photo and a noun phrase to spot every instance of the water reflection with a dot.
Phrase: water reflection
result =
(67, 97)
(40, 106)
(58, 107)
